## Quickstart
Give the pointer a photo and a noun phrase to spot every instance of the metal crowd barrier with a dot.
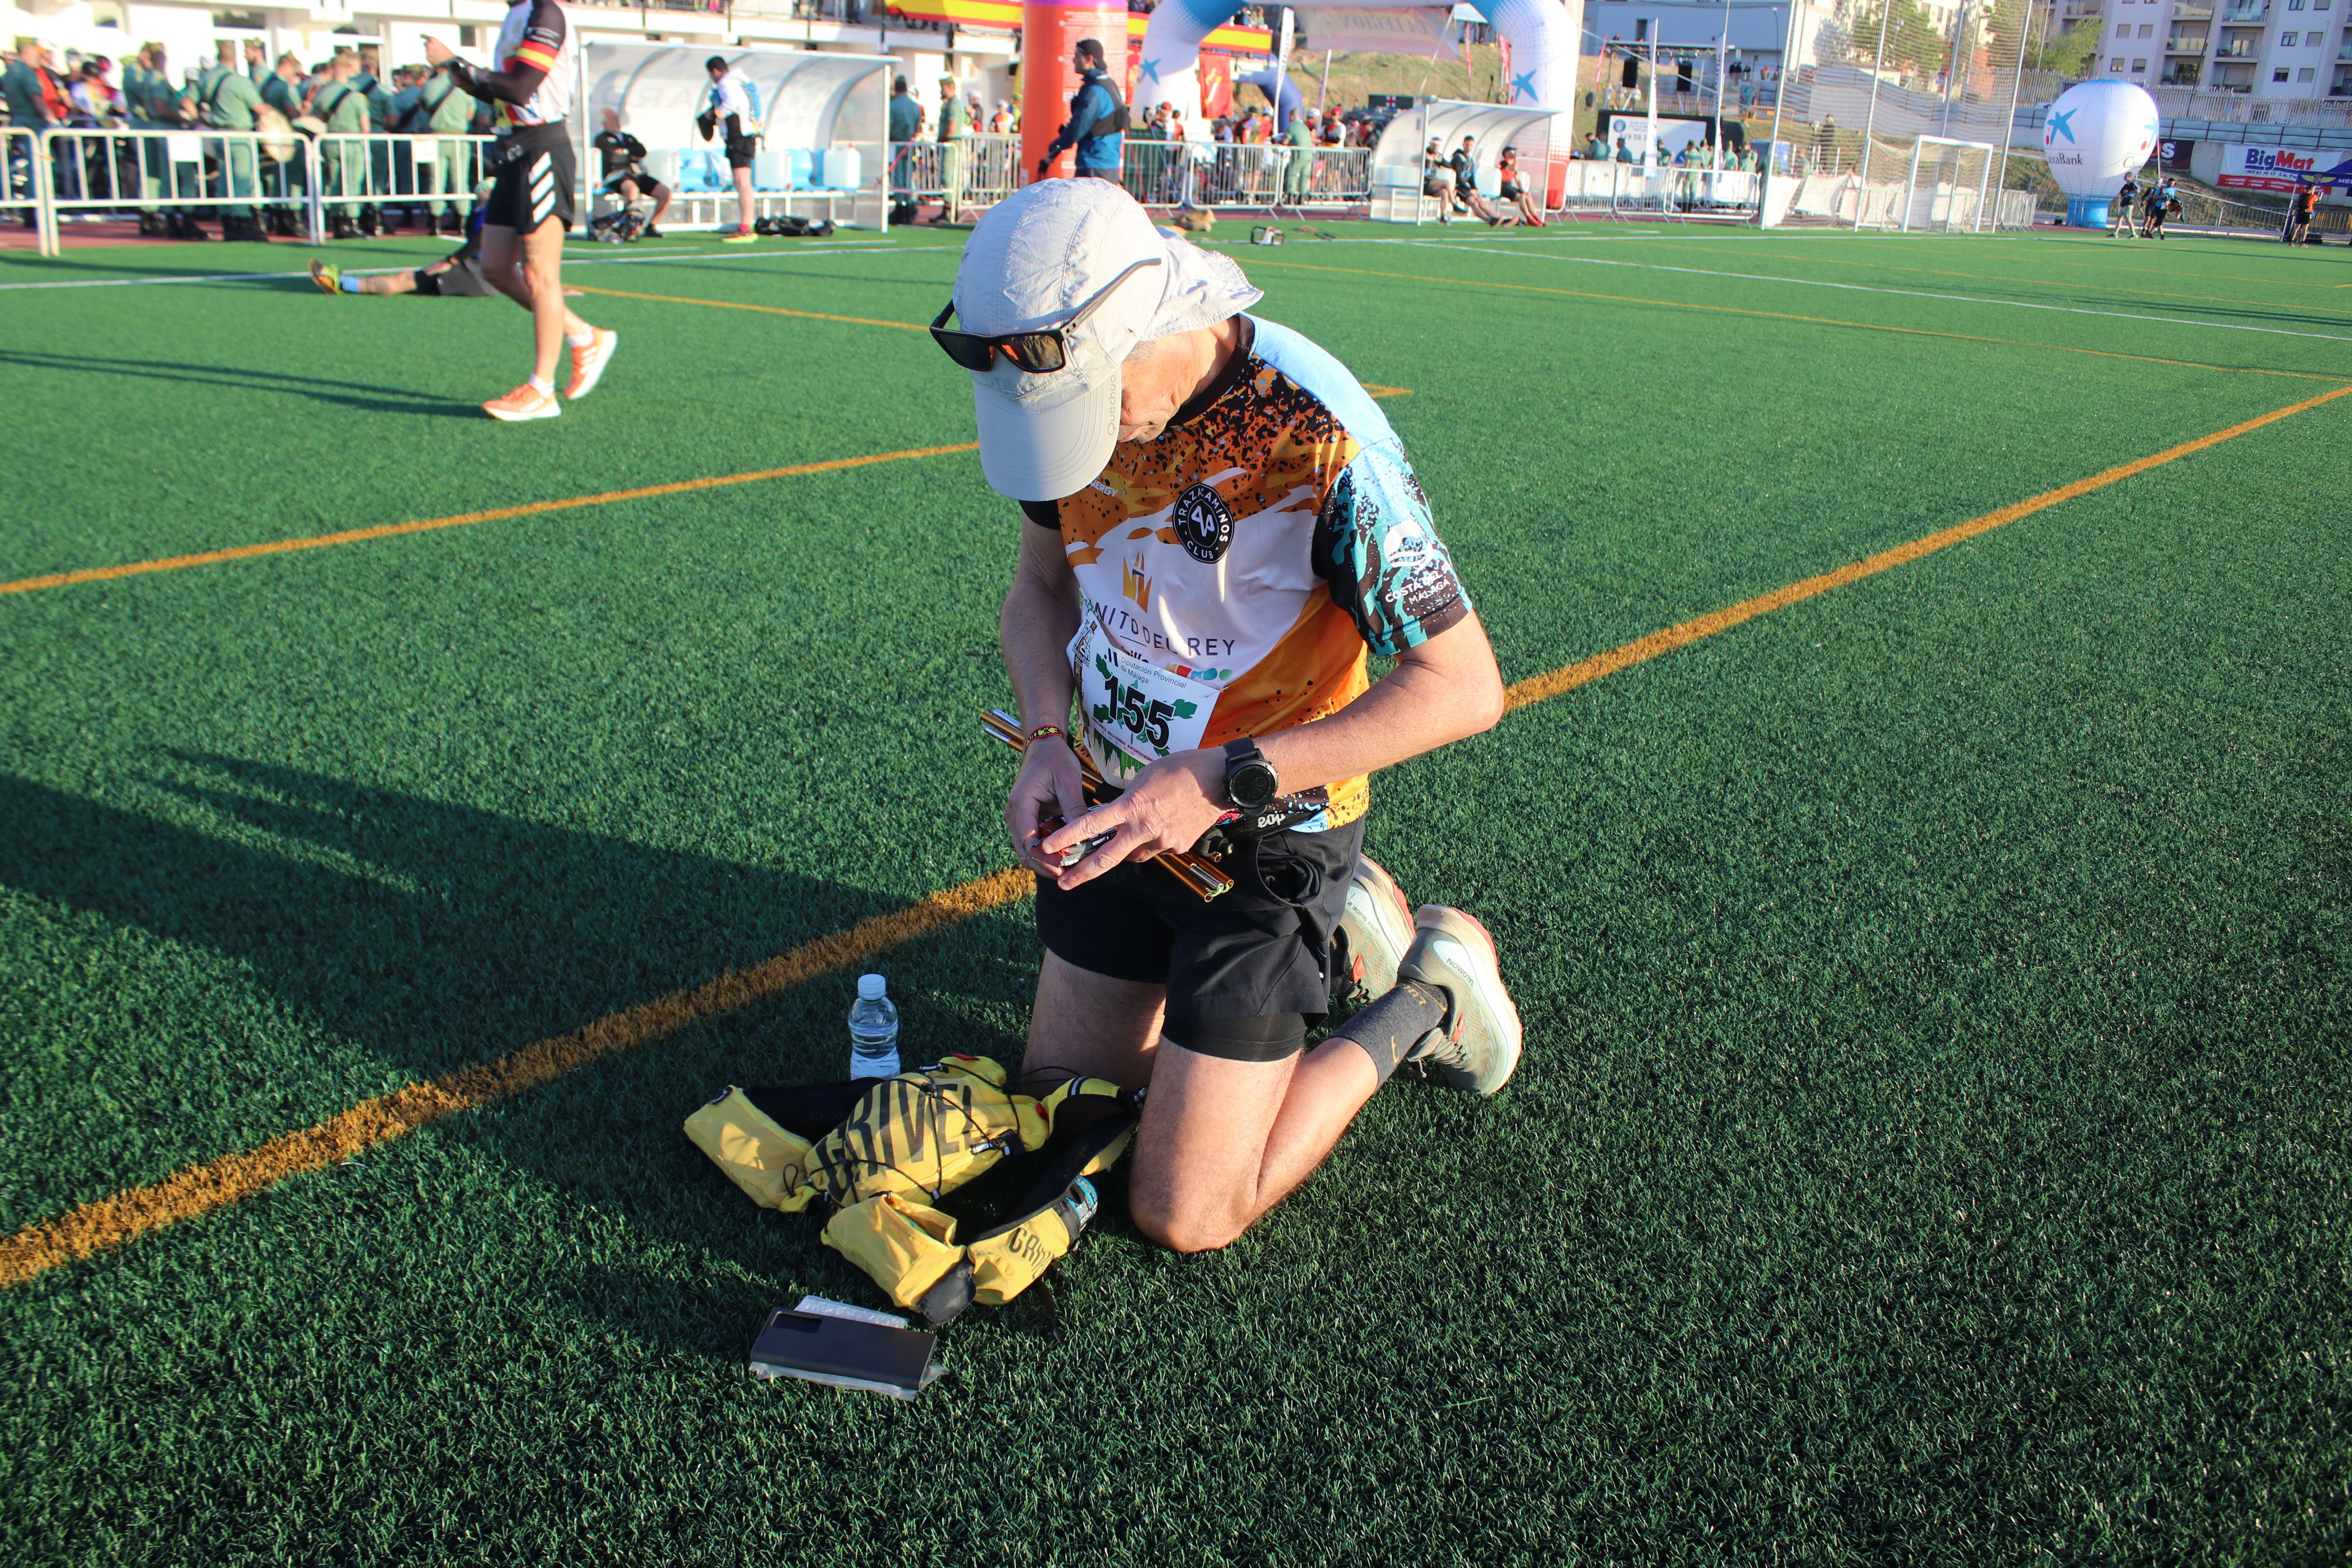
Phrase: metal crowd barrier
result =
(1245, 174)
(976, 171)
(438, 174)
(86, 172)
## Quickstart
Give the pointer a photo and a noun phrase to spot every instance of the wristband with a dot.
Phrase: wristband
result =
(1045, 731)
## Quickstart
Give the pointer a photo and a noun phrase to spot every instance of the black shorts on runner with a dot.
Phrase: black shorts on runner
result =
(741, 149)
(1248, 972)
(533, 171)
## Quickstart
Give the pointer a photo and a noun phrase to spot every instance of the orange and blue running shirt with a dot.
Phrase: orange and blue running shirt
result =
(536, 34)
(1236, 571)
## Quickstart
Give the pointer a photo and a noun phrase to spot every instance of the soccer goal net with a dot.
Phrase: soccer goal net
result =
(1950, 182)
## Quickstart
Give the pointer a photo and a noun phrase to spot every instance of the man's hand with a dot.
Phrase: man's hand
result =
(1049, 786)
(437, 53)
(1169, 807)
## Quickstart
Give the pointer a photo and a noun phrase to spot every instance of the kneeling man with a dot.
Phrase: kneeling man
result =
(1221, 526)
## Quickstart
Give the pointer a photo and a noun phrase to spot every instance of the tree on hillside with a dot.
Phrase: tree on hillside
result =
(2073, 53)
(1915, 45)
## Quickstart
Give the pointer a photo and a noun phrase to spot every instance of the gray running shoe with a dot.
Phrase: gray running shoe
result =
(1374, 931)
(1478, 1046)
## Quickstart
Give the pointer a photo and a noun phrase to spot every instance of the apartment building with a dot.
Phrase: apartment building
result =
(2273, 48)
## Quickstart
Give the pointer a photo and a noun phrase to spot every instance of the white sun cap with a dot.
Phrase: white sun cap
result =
(1034, 261)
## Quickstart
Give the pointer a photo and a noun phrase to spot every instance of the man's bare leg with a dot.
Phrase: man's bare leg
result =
(537, 284)
(743, 200)
(1222, 1141)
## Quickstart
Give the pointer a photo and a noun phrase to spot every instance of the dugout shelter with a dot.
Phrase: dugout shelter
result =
(1396, 161)
(824, 130)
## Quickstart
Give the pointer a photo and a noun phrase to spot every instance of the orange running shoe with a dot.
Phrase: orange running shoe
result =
(588, 363)
(525, 402)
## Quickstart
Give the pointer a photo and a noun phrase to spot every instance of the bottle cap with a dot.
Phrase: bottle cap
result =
(870, 987)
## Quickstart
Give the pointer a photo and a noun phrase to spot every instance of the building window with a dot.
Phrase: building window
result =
(2286, 41)
(2140, 67)
(2278, 74)
(2116, 64)
(2303, 75)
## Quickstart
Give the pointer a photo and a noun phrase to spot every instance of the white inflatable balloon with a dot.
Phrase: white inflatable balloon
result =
(2096, 133)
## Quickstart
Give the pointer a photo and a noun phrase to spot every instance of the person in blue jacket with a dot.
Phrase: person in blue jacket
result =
(1097, 117)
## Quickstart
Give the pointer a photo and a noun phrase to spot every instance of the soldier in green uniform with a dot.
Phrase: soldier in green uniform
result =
(369, 84)
(449, 115)
(225, 97)
(343, 164)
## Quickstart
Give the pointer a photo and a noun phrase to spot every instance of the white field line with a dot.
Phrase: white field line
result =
(859, 248)
(1917, 294)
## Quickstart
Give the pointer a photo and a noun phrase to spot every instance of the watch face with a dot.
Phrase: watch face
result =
(1251, 784)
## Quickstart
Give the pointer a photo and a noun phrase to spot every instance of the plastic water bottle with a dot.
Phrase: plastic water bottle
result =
(873, 1031)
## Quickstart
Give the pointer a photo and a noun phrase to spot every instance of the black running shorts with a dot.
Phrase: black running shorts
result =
(533, 178)
(1248, 972)
(741, 149)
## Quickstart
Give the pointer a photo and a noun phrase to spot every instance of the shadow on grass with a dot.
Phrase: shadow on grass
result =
(435, 934)
(367, 396)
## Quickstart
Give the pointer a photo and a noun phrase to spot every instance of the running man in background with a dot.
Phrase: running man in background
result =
(530, 199)
(731, 109)
(1221, 526)
(2125, 200)
(2158, 208)
(625, 169)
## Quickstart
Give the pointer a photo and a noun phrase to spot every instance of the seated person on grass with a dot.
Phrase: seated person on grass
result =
(1220, 526)
(458, 274)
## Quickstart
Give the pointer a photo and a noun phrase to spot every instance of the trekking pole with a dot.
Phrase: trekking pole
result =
(1198, 875)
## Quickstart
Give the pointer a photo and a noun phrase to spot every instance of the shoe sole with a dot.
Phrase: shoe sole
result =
(512, 416)
(583, 385)
(1374, 900)
(1484, 973)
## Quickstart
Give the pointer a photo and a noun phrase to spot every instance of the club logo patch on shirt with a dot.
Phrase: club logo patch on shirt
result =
(1204, 524)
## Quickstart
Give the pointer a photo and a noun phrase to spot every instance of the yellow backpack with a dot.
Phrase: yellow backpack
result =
(883, 1154)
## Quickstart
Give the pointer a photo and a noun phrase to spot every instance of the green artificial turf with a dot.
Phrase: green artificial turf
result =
(1932, 1140)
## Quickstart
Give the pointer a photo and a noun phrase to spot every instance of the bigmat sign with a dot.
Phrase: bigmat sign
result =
(2247, 168)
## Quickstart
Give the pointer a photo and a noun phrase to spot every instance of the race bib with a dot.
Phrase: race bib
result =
(1135, 712)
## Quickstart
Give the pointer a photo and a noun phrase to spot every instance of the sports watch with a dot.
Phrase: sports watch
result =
(1250, 779)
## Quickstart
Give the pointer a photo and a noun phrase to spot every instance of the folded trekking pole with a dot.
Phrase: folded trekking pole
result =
(1201, 875)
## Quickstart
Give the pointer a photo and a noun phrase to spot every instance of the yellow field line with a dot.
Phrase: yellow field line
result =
(110, 1221)
(427, 525)
(1536, 689)
(119, 1217)
(1786, 316)
(764, 309)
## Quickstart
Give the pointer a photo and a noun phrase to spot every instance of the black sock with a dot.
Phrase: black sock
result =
(1388, 1028)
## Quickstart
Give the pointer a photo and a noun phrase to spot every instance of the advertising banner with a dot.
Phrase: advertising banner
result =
(1419, 30)
(2175, 154)
(2245, 168)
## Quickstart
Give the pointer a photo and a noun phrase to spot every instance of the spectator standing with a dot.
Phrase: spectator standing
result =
(29, 110)
(342, 109)
(1625, 153)
(225, 97)
(1097, 117)
(256, 63)
(729, 108)
(1001, 123)
(1298, 172)
(2298, 223)
(906, 125)
(954, 123)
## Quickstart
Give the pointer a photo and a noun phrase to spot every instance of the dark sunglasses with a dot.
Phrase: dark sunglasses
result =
(1048, 349)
